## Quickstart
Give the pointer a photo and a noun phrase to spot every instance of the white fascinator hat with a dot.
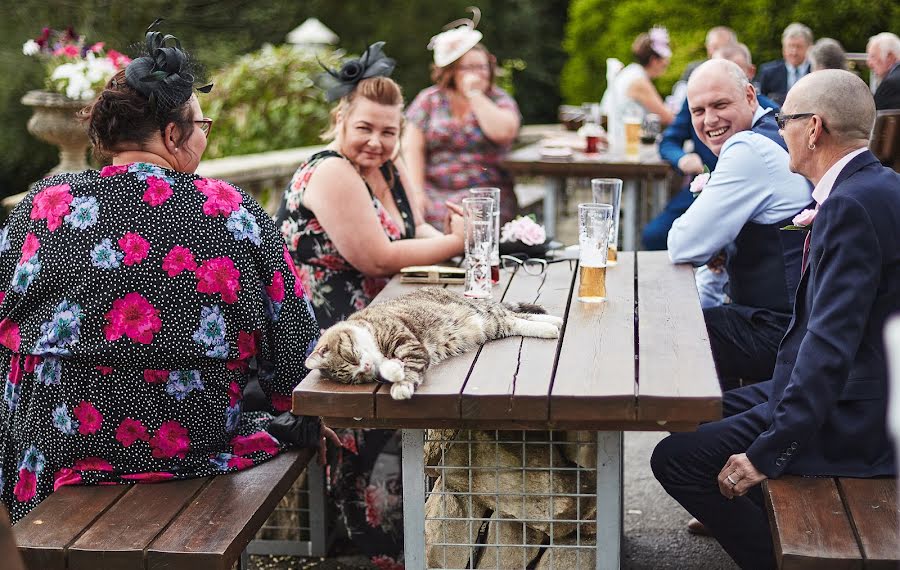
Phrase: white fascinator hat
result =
(458, 37)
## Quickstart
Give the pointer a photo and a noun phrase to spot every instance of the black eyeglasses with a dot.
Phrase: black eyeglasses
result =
(781, 119)
(531, 265)
(205, 125)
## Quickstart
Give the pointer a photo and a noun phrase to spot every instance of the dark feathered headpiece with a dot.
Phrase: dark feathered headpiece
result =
(163, 72)
(372, 63)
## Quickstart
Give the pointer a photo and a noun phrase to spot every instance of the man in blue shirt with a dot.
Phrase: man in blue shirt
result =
(750, 195)
(777, 77)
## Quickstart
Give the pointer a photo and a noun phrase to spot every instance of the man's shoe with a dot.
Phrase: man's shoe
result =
(696, 527)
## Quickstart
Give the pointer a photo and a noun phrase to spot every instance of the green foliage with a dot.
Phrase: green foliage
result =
(598, 29)
(267, 100)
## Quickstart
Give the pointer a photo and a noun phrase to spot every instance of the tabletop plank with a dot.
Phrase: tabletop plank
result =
(511, 377)
(595, 375)
(676, 376)
(528, 161)
(873, 505)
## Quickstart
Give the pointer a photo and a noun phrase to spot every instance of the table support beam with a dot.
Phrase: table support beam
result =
(413, 447)
(609, 499)
(630, 215)
(554, 186)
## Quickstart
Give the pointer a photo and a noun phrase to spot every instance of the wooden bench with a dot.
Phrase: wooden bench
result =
(190, 524)
(825, 523)
(885, 143)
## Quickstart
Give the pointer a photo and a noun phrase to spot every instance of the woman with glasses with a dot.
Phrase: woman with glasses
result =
(460, 128)
(136, 302)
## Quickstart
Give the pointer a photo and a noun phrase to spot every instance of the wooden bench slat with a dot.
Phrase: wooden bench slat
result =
(512, 376)
(119, 537)
(810, 528)
(318, 396)
(872, 504)
(45, 532)
(598, 336)
(677, 378)
(213, 530)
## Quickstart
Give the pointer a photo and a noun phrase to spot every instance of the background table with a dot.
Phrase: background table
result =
(647, 166)
(640, 361)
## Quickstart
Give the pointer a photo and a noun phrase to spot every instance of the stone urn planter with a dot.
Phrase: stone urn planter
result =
(54, 121)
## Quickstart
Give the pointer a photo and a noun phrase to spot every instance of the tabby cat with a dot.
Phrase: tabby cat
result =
(396, 341)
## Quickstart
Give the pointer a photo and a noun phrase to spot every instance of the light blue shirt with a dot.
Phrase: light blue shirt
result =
(751, 183)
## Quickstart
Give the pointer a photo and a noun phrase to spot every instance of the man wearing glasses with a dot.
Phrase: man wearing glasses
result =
(749, 196)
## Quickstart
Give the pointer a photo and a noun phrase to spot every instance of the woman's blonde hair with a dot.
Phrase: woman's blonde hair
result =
(443, 76)
(381, 90)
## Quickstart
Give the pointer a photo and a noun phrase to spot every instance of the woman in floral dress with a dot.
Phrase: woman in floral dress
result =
(138, 301)
(349, 226)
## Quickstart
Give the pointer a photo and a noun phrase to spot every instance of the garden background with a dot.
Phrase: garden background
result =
(555, 51)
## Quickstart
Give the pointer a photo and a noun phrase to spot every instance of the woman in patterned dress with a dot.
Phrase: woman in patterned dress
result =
(460, 128)
(138, 301)
(349, 226)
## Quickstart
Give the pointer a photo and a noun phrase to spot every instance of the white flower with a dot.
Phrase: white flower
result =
(30, 47)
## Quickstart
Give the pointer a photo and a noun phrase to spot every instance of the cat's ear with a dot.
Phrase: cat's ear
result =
(317, 359)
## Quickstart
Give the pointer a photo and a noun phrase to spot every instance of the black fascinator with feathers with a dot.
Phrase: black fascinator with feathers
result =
(163, 72)
(372, 63)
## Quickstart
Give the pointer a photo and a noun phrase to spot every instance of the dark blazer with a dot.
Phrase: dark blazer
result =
(887, 96)
(771, 80)
(828, 395)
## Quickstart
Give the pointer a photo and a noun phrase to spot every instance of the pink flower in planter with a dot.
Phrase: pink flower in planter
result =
(66, 476)
(130, 431)
(52, 204)
(93, 464)
(158, 191)
(112, 170)
(135, 248)
(221, 197)
(30, 247)
(219, 275)
(9, 335)
(89, 418)
(149, 477)
(177, 260)
(805, 218)
(259, 441)
(171, 440)
(134, 317)
(156, 376)
(240, 462)
(26, 486)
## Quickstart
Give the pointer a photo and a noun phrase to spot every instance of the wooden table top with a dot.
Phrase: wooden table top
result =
(527, 161)
(639, 361)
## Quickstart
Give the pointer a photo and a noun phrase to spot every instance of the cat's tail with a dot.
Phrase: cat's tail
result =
(525, 308)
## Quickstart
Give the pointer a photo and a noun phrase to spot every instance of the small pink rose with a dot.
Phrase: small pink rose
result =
(699, 182)
(805, 218)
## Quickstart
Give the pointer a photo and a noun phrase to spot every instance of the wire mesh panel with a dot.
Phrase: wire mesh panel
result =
(510, 499)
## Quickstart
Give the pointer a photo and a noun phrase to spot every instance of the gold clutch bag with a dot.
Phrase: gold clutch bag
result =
(432, 274)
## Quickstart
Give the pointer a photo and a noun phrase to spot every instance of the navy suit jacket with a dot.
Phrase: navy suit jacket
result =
(771, 80)
(828, 396)
(671, 147)
(887, 96)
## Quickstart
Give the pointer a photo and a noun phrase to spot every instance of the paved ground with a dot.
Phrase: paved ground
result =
(655, 525)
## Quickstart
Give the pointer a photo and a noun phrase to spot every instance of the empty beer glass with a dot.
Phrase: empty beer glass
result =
(478, 214)
(609, 191)
(494, 194)
(594, 221)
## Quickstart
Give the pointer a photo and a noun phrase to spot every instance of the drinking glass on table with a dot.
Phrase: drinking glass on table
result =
(477, 215)
(594, 221)
(493, 194)
(609, 191)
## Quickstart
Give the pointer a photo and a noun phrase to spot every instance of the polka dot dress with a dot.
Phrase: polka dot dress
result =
(135, 304)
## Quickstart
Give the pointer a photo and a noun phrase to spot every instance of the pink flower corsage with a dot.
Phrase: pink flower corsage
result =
(699, 182)
(805, 218)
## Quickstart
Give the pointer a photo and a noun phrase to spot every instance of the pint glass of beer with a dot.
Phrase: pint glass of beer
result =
(594, 221)
(493, 194)
(479, 243)
(609, 191)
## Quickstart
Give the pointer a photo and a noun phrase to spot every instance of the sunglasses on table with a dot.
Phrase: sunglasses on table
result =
(205, 125)
(782, 119)
(531, 265)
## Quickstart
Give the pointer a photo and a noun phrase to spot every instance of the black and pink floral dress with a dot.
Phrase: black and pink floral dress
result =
(136, 303)
(337, 289)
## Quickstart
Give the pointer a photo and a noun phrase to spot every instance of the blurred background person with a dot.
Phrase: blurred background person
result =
(632, 89)
(827, 53)
(777, 77)
(459, 129)
(716, 38)
(883, 58)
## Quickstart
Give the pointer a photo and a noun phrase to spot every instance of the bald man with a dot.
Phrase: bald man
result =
(750, 196)
(823, 412)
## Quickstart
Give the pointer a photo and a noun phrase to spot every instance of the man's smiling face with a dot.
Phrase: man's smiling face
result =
(719, 106)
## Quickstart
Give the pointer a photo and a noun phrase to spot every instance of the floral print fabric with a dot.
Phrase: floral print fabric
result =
(337, 289)
(135, 304)
(458, 155)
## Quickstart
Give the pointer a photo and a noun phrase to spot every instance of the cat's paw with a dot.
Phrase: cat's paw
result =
(554, 320)
(542, 330)
(392, 371)
(402, 390)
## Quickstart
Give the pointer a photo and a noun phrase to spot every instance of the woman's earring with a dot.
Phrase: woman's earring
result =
(176, 149)
(809, 146)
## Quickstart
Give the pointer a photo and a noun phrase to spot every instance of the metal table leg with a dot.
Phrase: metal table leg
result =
(660, 195)
(609, 500)
(630, 215)
(552, 187)
(413, 442)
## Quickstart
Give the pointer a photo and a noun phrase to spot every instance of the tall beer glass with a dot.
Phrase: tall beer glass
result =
(479, 243)
(494, 194)
(609, 191)
(594, 221)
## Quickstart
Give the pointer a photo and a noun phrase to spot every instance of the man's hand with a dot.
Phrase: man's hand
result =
(717, 263)
(326, 434)
(738, 476)
(690, 163)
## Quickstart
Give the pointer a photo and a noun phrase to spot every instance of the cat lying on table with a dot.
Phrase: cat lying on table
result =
(396, 341)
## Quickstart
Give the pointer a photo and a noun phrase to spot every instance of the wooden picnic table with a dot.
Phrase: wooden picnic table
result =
(639, 361)
(646, 167)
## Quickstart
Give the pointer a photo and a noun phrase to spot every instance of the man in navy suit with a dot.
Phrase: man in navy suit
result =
(777, 77)
(823, 413)
(883, 58)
